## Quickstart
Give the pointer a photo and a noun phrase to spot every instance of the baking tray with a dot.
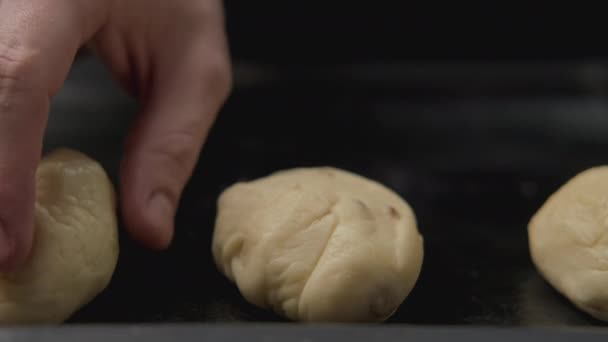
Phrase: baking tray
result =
(474, 148)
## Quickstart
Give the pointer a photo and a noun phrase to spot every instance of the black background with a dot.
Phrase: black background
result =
(330, 32)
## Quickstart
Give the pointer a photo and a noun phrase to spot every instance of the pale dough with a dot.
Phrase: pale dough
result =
(568, 239)
(318, 244)
(75, 247)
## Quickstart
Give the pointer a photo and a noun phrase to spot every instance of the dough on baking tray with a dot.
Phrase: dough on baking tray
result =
(75, 248)
(568, 239)
(318, 244)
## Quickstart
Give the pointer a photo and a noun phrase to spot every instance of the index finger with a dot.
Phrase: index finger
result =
(38, 42)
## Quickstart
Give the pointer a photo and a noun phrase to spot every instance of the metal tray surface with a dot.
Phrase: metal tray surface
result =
(475, 149)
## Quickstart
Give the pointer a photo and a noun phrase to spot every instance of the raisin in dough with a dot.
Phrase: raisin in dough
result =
(318, 244)
(75, 246)
(568, 239)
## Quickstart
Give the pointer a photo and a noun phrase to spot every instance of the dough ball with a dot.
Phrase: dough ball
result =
(568, 239)
(75, 247)
(318, 244)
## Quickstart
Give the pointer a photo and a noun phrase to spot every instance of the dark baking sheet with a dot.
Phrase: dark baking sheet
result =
(475, 149)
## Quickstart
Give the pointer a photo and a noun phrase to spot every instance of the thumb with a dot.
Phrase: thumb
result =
(37, 46)
(164, 144)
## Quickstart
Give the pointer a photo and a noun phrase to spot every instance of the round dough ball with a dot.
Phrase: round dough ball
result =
(318, 244)
(75, 247)
(568, 239)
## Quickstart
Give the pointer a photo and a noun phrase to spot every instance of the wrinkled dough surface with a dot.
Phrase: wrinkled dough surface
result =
(318, 244)
(568, 239)
(75, 247)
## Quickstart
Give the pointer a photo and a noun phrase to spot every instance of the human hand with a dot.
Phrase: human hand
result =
(171, 55)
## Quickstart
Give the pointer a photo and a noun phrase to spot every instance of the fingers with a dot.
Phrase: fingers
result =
(164, 144)
(23, 108)
(37, 45)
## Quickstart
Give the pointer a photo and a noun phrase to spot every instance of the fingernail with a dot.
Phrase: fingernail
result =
(161, 210)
